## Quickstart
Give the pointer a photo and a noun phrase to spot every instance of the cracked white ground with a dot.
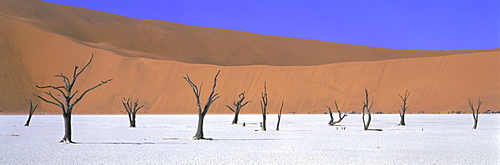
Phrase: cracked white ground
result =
(302, 139)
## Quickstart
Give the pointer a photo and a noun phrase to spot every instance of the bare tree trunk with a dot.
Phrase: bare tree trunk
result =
(201, 113)
(402, 121)
(29, 120)
(366, 107)
(235, 119)
(263, 105)
(475, 121)
(32, 111)
(264, 120)
(279, 117)
(330, 123)
(403, 108)
(199, 129)
(367, 123)
(475, 112)
(130, 120)
(132, 123)
(67, 128)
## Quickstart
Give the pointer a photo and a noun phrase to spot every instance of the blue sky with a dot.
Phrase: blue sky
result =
(396, 24)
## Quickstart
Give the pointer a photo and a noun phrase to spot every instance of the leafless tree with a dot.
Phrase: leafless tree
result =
(475, 112)
(403, 108)
(131, 110)
(32, 111)
(341, 117)
(202, 112)
(366, 110)
(279, 116)
(263, 105)
(65, 97)
(237, 106)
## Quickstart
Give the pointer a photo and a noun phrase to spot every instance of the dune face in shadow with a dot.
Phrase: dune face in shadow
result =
(147, 60)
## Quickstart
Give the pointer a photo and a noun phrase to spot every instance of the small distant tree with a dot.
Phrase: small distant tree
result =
(403, 107)
(66, 95)
(279, 116)
(366, 110)
(202, 112)
(341, 117)
(475, 112)
(237, 106)
(263, 105)
(32, 111)
(131, 109)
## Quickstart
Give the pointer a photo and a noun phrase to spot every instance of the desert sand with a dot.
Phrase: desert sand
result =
(147, 60)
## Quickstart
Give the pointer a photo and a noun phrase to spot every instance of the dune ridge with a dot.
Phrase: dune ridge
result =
(148, 59)
(171, 41)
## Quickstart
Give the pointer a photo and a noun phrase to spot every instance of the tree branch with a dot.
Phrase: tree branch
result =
(66, 82)
(83, 94)
(212, 97)
(245, 103)
(126, 105)
(50, 102)
(85, 67)
(230, 108)
(331, 115)
(58, 88)
(193, 86)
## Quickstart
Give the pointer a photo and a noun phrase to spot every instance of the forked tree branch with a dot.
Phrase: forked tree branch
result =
(32, 109)
(131, 108)
(341, 117)
(212, 97)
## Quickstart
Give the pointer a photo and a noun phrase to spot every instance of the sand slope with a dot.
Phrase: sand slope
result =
(147, 60)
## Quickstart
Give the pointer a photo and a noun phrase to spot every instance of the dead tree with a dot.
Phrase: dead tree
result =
(475, 112)
(202, 112)
(66, 95)
(341, 117)
(366, 110)
(279, 117)
(237, 107)
(32, 111)
(131, 110)
(263, 105)
(403, 107)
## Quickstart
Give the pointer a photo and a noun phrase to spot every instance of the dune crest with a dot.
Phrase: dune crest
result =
(147, 60)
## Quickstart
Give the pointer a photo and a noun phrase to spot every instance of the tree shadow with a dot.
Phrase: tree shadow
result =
(119, 143)
(212, 139)
(264, 139)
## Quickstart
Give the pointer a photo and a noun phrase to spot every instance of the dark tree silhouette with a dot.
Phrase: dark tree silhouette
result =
(366, 110)
(475, 112)
(65, 97)
(237, 106)
(263, 105)
(403, 107)
(279, 116)
(32, 111)
(131, 110)
(341, 117)
(202, 112)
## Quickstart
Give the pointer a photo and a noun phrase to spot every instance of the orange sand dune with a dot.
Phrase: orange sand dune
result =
(170, 41)
(147, 60)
